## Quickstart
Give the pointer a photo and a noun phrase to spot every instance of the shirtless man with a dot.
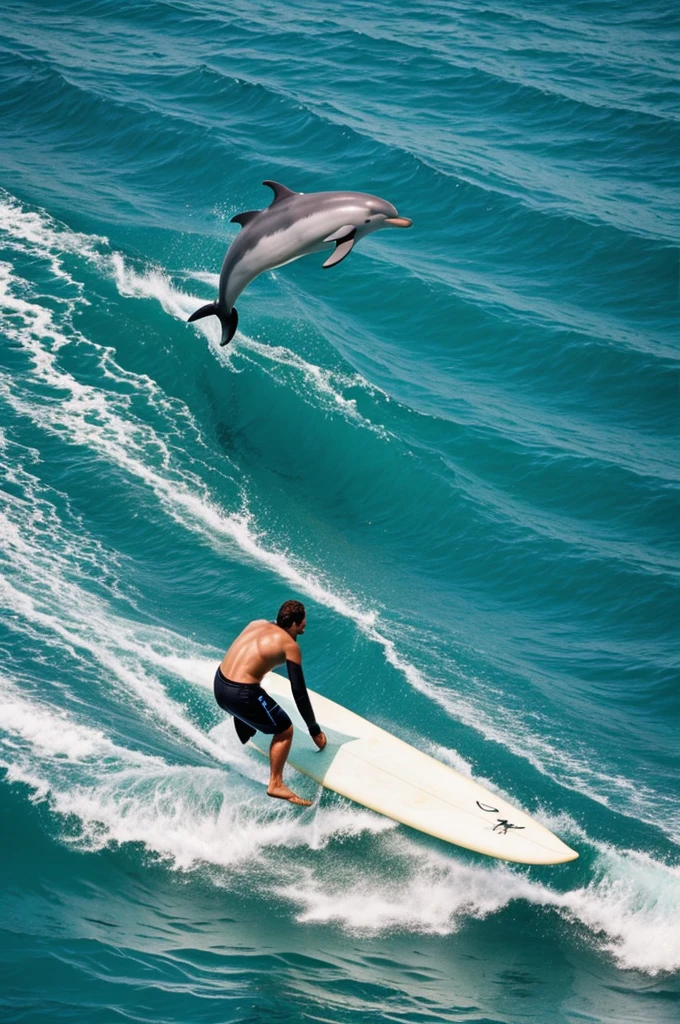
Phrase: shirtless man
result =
(261, 647)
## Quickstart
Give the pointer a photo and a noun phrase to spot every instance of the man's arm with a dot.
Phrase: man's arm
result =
(299, 688)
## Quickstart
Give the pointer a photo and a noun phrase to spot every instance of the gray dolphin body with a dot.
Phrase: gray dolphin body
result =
(294, 225)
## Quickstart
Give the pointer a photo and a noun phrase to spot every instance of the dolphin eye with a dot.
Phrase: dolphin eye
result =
(367, 221)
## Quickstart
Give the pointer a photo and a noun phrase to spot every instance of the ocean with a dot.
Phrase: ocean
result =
(460, 448)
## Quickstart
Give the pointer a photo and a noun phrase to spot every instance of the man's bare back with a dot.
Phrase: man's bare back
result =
(259, 648)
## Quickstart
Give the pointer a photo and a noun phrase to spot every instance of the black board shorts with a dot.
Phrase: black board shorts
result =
(252, 707)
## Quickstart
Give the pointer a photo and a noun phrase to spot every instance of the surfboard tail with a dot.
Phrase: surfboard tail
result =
(228, 320)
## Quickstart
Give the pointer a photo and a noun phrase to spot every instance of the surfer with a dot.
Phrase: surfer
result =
(261, 647)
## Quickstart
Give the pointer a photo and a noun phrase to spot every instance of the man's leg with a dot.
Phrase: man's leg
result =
(278, 752)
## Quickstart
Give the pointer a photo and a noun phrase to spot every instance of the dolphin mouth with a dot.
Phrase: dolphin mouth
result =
(399, 222)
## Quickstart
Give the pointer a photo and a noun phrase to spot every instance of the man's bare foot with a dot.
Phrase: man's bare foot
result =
(283, 793)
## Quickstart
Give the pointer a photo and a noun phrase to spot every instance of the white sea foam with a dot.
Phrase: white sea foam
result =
(33, 232)
(152, 283)
(90, 634)
(196, 817)
(42, 588)
(631, 902)
(50, 733)
(322, 386)
(431, 894)
(630, 909)
(213, 280)
(632, 906)
(187, 814)
(325, 386)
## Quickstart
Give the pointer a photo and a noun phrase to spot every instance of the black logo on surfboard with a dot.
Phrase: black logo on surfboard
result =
(502, 826)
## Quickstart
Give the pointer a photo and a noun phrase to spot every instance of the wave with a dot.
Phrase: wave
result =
(185, 814)
(196, 818)
(486, 539)
(179, 117)
(325, 388)
(199, 819)
(101, 420)
(628, 909)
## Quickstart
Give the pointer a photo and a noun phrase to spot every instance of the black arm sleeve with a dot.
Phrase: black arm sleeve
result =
(304, 705)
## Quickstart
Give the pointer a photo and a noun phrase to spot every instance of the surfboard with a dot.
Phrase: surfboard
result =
(370, 766)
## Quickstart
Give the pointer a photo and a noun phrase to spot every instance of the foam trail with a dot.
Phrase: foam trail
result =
(33, 233)
(326, 385)
(88, 630)
(53, 733)
(189, 815)
(36, 233)
(629, 909)
(79, 621)
(631, 903)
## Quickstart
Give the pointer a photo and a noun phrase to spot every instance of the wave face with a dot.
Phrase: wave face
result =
(460, 449)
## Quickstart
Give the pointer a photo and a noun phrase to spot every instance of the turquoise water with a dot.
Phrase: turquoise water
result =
(459, 448)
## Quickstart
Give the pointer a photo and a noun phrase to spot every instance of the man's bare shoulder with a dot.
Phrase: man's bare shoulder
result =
(269, 633)
(255, 628)
(259, 623)
(274, 640)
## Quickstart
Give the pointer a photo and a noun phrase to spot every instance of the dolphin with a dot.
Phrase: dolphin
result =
(294, 225)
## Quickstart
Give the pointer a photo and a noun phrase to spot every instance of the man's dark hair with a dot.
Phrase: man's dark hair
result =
(290, 612)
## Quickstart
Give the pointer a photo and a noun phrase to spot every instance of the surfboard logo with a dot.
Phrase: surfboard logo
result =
(502, 826)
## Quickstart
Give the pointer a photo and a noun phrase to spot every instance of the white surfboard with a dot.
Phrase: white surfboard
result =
(370, 766)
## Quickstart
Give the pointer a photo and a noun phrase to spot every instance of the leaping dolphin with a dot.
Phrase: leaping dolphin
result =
(294, 225)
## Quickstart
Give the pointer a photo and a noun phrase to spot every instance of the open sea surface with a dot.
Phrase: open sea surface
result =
(460, 448)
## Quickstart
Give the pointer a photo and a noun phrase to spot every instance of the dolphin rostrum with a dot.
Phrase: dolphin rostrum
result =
(294, 225)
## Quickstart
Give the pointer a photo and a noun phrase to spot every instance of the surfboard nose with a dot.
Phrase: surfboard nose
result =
(399, 222)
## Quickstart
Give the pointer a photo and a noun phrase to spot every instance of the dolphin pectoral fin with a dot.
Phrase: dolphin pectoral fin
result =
(243, 218)
(344, 232)
(209, 310)
(280, 191)
(342, 249)
(344, 240)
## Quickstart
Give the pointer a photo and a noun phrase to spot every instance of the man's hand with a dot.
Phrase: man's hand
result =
(320, 740)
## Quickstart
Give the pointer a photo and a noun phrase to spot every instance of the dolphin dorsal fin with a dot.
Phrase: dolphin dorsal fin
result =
(280, 191)
(243, 218)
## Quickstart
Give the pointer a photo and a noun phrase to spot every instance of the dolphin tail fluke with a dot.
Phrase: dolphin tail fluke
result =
(229, 323)
(209, 310)
(228, 320)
